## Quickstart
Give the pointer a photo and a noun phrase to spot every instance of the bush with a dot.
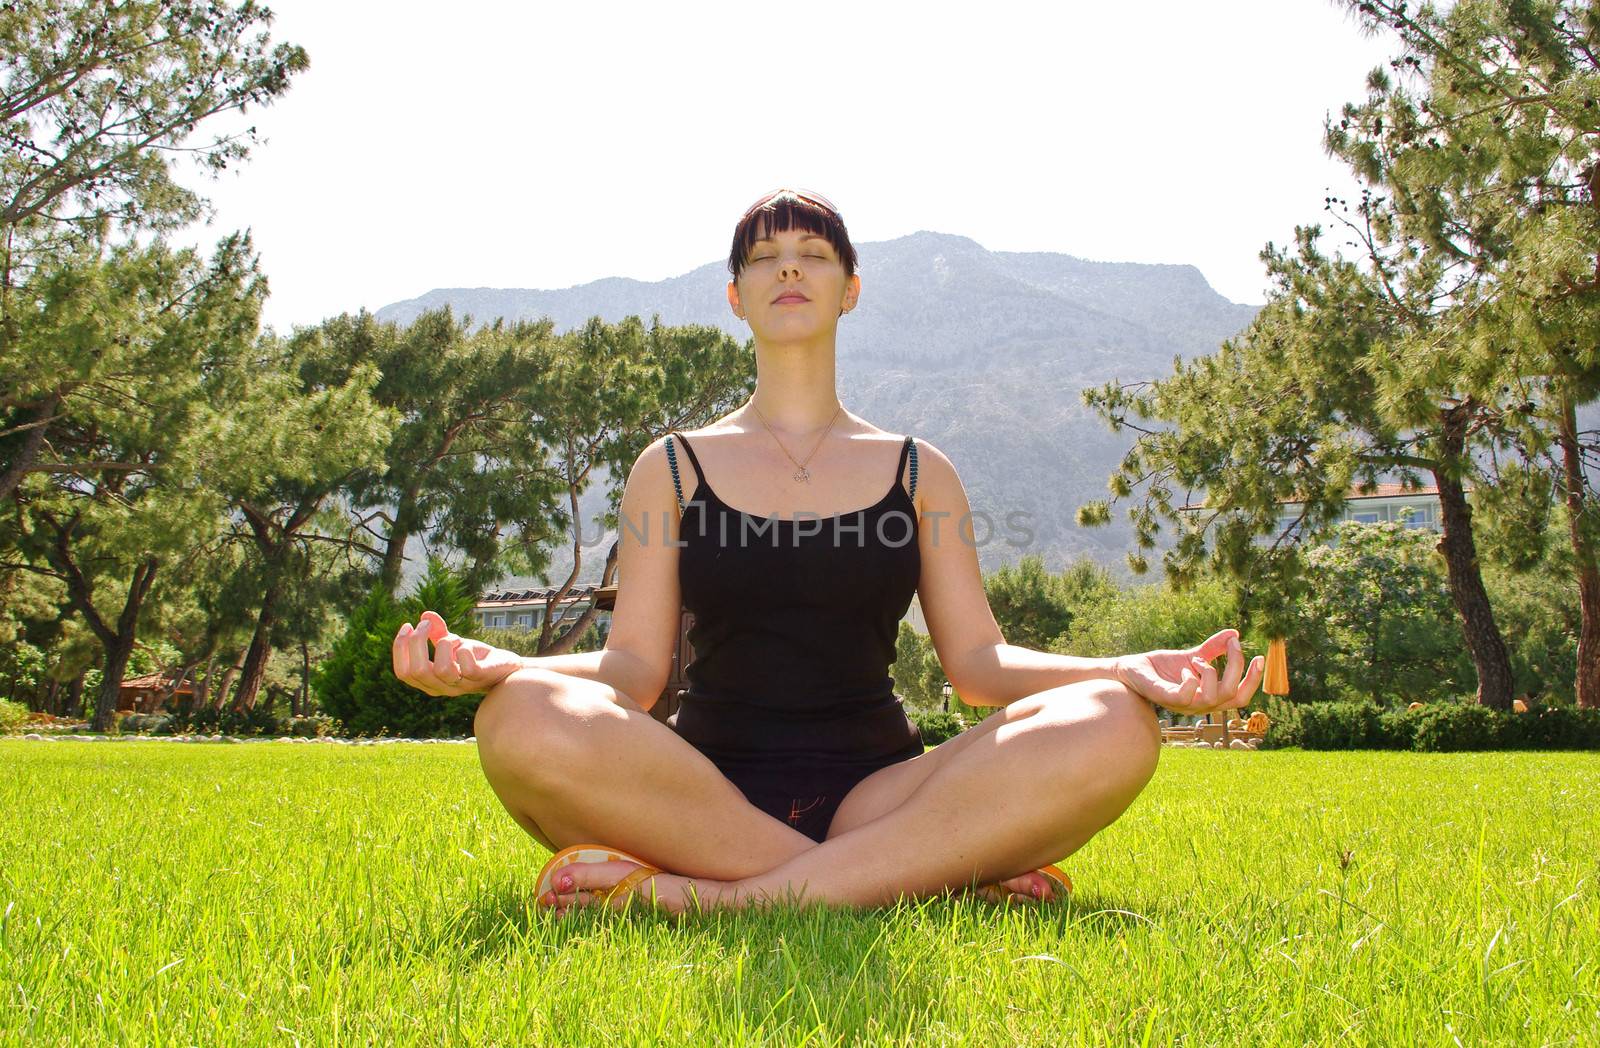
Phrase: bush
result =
(1148, 616)
(146, 724)
(257, 721)
(1451, 728)
(936, 726)
(13, 716)
(1378, 624)
(319, 726)
(1340, 726)
(1434, 728)
(356, 682)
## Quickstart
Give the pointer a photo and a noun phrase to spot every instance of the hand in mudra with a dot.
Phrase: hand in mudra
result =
(1184, 681)
(458, 665)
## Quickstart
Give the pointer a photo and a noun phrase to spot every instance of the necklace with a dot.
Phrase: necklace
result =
(801, 474)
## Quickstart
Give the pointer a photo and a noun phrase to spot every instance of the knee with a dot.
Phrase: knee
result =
(1132, 732)
(1127, 735)
(530, 724)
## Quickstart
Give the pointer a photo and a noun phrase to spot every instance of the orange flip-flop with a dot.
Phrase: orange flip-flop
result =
(591, 853)
(1062, 881)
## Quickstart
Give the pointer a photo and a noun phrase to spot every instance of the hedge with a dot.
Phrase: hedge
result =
(1432, 728)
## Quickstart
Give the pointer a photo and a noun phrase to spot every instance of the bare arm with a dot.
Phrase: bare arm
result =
(637, 658)
(644, 625)
(987, 671)
(621, 669)
(980, 665)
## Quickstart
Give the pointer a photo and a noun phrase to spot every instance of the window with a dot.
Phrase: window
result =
(1416, 516)
(1366, 516)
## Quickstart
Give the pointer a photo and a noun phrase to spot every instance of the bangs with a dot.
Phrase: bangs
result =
(783, 213)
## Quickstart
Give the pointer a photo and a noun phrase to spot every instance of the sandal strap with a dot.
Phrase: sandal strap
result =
(627, 883)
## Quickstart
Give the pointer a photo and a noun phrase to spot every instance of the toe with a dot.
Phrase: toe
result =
(582, 883)
(1033, 885)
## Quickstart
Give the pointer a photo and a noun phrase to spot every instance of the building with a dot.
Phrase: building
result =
(148, 693)
(1387, 503)
(525, 609)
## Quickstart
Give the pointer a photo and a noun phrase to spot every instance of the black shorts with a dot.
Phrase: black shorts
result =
(804, 797)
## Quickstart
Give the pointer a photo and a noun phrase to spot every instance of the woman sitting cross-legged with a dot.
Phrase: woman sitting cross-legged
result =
(790, 772)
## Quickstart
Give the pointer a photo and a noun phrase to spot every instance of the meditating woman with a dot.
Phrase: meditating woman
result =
(797, 533)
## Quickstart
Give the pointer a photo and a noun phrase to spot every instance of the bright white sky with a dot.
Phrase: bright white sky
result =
(477, 144)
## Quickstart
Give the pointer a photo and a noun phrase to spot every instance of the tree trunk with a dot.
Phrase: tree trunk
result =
(111, 684)
(303, 707)
(394, 551)
(74, 706)
(32, 441)
(202, 686)
(226, 682)
(1583, 555)
(172, 686)
(1461, 566)
(51, 695)
(255, 659)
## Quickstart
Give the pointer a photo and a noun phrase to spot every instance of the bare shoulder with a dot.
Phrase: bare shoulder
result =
(649, 484)
(936, 474)
(650, 464)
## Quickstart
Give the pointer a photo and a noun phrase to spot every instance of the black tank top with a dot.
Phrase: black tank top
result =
(794, 629)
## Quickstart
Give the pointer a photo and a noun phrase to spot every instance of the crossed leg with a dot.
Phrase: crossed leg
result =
(576, 761)
(1030, 784)
(573, 760)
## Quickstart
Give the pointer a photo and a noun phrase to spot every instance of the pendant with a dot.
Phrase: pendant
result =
(802, 476)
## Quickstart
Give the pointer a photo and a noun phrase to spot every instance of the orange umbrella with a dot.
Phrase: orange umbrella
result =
(1277, 676)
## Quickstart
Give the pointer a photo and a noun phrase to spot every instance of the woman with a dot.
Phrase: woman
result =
(790, 770)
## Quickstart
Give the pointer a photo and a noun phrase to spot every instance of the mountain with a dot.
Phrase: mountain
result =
(983, 353)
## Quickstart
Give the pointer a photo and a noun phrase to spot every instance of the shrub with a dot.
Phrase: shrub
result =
(356, 682)
(319, 726)
(1452, 727)
(1340, 726)
(257, 721)
(936, 726)
(1434, 728)
(13, 715)
(1148, 616)
(1378, 624)
(146, 724)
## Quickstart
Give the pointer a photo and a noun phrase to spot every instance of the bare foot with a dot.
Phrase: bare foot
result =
(1033, 887)
(584, 884)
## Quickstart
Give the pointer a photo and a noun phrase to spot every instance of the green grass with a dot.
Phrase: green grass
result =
(273, 894)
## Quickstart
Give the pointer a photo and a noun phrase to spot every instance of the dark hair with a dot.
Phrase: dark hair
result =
(787, 209)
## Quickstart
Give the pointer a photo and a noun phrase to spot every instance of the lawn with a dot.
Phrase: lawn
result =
(298, 894)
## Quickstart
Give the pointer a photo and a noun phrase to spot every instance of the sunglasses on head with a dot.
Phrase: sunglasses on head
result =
(804, 194)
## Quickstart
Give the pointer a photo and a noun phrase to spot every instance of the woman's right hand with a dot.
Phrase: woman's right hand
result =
(458, 666)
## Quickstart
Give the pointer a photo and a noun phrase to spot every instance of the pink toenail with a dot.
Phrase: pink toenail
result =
(565, 884)
(1038, 891)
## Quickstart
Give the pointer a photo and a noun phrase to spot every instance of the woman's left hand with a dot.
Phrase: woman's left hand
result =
(1184, 681)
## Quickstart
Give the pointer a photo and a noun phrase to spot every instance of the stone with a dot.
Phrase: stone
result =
(1238, 744)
